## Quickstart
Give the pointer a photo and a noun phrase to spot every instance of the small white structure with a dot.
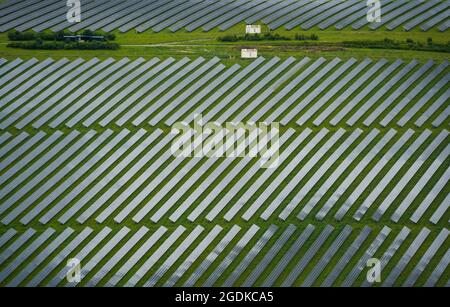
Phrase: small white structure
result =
(253, 29)
(249, 53)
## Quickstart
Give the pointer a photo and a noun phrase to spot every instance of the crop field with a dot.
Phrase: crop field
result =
(87, 169)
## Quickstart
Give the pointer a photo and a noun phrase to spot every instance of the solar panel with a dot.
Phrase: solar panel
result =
(326, 258)
(406, 258)
(382, 184)
(438, 271)
(306, 259)
(214, 14)
(443, 27)
(350, 106)
(66, 66)
(363, 21)
(441, 118)
(361, 264)
(189, 182)
(394, 14)
(58, 259)
(353, 12)
(410, 173)
(244, 14)
(358, 170)
(135, 107)
(41, 65)
(150, 12)
(61, 18)
(19, 179)
(175, 178)
(430, 197)
(8, 7)
(81, 255)
(288, 16)
(293, 5)
(101, 184)
(162, 249)
(276, 7)
(41, 257)
(133, 186)
(139, 254)
(176, 254)
(45, 187)
(288, 256)
(228, 260)
(220, 92)
(412, 94)
(17, 71)
(269, 256)
(43, 174)
(288, 88)
(331, 92)
(269, 189)
(14, 18)
(426, 15)
(70, 196)
(86, 104)
(55, 89)
(350, 90)
(432, 109)
(282, 107)
(6, 236)
(234, 173)
(17, 167)
(54, 103)
(426, 258)
(306, 101)
(20, 150)
(435, 20)
(410, 14)
(169, 15)
(18, 243)
(101, 14)
(374, 98)
(311, 184)
(125, 93)
(196, 253)
(25, 254)
(206, 263)
(408, 199)
(175, 90)
(206, 90)
(390, 251)
(174, 104)
(197, 14)
(325, 14)
(243, 86)
(120, 254)
(346, 257)
(256, 249)
(270, 88)
(300, 174)
(13, 143)
(105, 22)
(440, 211)
(10, 65)
(340, 169)
(381, 107)
(90, 265)
(75, 178)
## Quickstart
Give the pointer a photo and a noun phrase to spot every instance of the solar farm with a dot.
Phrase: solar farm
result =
(87, 171)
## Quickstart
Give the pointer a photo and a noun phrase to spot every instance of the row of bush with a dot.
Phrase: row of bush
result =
(57, 45)
(266, 37)
(56, 36)
(409, 44)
